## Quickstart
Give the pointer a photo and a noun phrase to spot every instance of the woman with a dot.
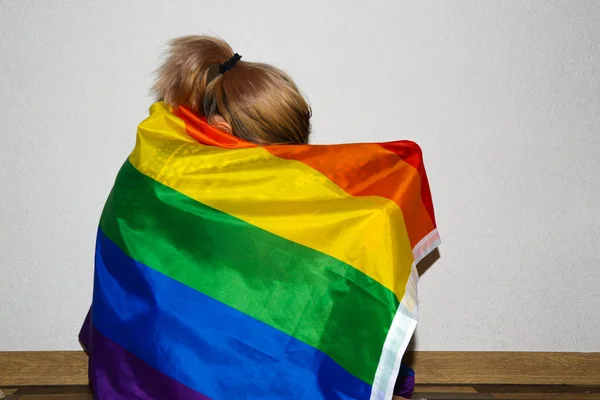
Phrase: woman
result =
(230, 264)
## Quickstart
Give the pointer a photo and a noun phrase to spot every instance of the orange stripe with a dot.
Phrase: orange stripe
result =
(383, 172)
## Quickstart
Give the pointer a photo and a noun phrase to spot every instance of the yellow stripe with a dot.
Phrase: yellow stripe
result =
(285, 197)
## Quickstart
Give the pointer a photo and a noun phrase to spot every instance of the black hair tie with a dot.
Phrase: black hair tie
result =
(227, 65)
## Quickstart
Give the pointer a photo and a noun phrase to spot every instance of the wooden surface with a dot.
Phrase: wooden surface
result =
(507, 368)
(432, 368)
(440, 392)
(43, 368)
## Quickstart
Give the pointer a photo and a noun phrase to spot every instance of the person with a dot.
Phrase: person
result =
(253, 101)
(157, 251)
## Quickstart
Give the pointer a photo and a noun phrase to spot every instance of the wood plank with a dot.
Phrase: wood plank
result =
(56, 397)
(437, 367)
(546, 396)
(59, 389)
(442, 392)
(536, 389)
(452, 396)
(424, 389)
(432, 368)
(43, 368)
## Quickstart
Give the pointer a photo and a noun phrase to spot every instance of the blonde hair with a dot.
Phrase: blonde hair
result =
(260, 102)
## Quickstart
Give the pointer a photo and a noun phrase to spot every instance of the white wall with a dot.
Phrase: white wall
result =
(503, 96)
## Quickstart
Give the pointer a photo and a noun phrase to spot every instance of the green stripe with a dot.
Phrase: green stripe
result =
(300, 291)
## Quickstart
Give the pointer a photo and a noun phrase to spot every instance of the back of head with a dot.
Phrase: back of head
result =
(260, 102)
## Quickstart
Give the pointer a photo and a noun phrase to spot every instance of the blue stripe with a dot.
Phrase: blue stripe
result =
(205, 344)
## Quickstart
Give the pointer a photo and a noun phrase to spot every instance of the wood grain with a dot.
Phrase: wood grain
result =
(423, 389)
(545, 396)
(55, 397)
(442, 392)
(432, 368)
(535, 389)
(43, 368)
(452, 396)
(507, 368)
(58, 389)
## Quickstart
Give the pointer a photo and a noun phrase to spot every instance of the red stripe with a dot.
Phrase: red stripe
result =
(392, 170)
(412, 154)
(197, 128)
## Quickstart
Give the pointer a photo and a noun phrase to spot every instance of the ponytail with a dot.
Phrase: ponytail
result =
(190, 66)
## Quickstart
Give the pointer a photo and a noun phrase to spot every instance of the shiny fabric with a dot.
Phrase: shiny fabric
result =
(405, 386)
(226, 270)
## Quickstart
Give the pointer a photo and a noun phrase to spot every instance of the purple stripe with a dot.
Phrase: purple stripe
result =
(84, 334)
(116, 374)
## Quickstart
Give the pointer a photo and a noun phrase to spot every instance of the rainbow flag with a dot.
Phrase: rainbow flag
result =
(226, 270)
